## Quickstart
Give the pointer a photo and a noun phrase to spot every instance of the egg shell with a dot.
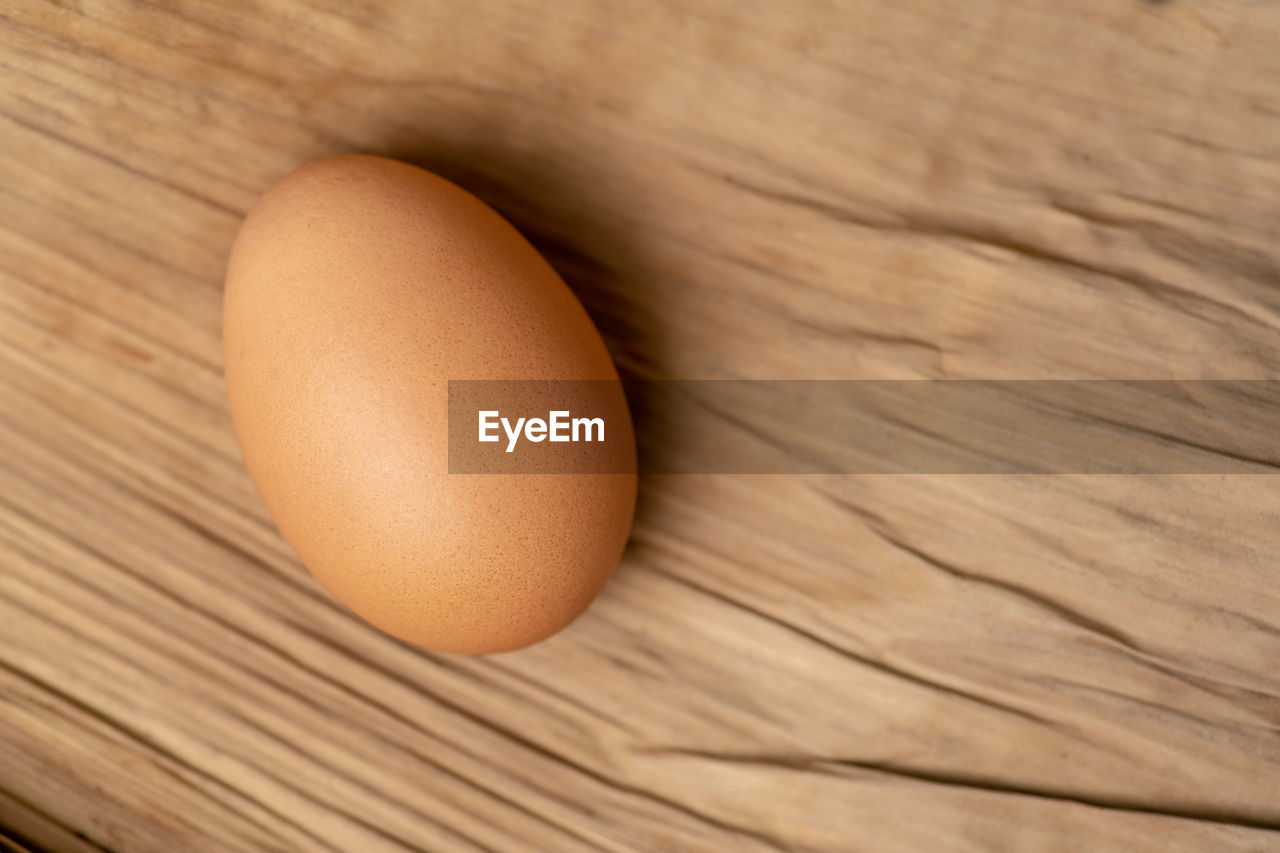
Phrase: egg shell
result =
(356, 288)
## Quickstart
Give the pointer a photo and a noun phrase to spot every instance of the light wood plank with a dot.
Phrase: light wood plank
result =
(988, 188)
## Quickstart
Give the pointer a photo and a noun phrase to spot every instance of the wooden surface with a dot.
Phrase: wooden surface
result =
(920, 188)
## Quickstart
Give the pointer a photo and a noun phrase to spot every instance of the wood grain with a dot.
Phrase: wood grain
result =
(820, 189)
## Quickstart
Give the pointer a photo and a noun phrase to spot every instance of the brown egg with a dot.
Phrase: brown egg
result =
(357, 288)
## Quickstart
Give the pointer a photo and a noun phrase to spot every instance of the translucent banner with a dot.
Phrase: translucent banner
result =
(866, 427)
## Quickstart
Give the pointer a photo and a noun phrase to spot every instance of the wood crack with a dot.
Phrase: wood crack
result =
(861, 659)
(977, 782)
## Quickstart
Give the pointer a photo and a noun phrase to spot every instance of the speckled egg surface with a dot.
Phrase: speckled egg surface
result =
(357, 287)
